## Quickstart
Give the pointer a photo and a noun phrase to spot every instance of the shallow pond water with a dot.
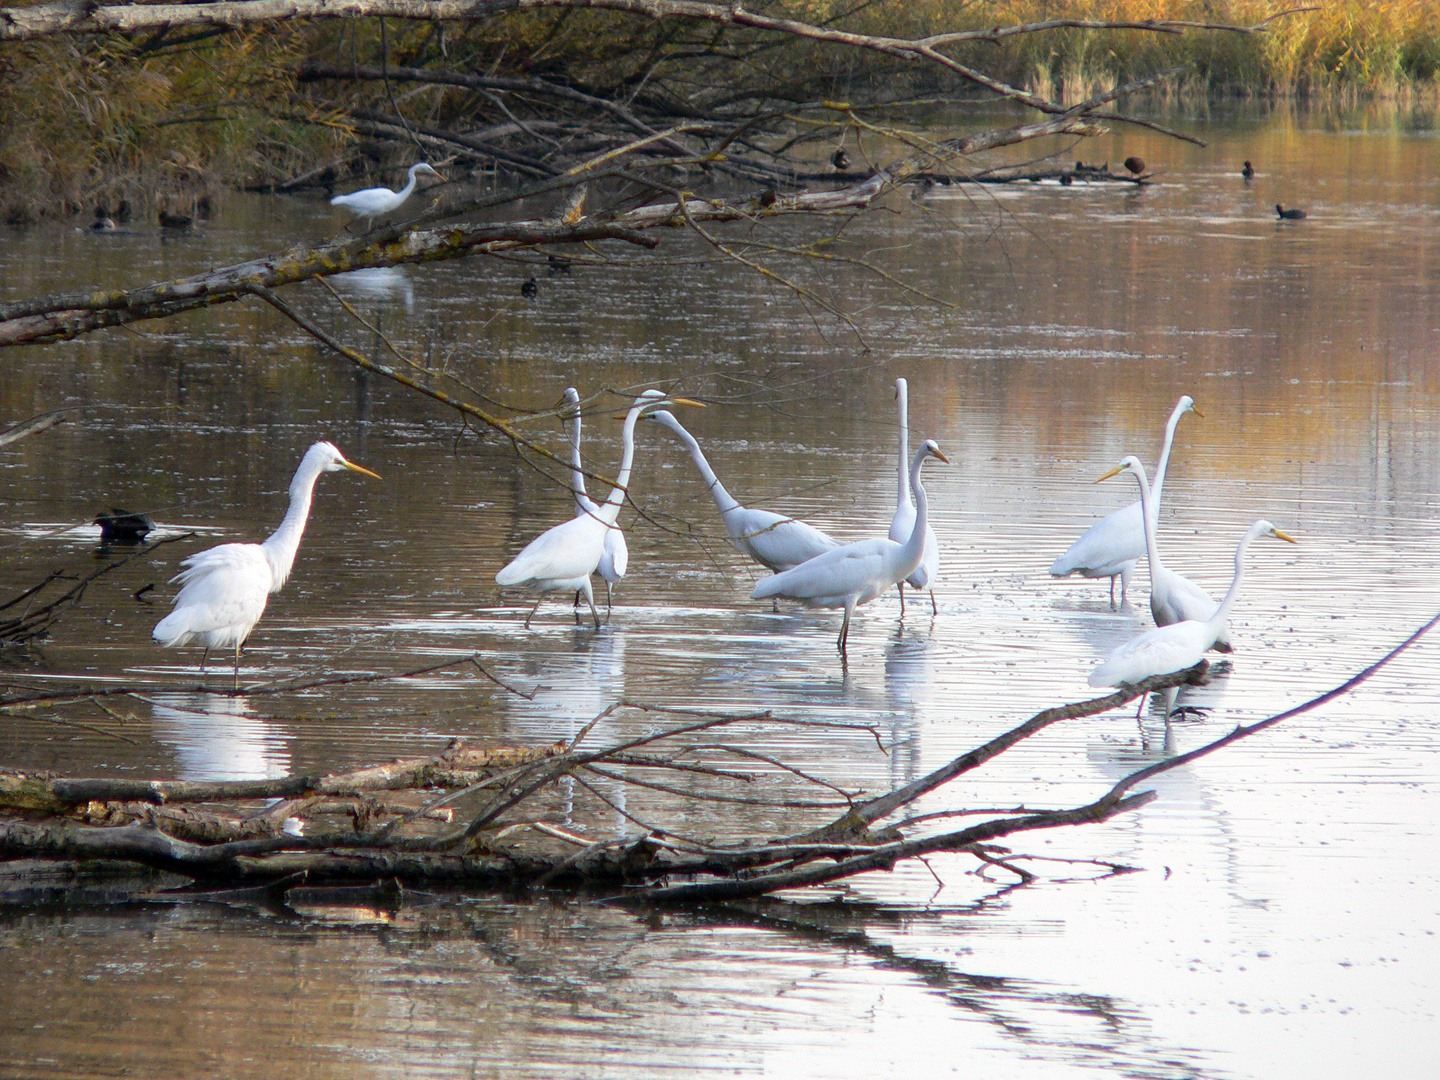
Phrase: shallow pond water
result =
(1283, 917)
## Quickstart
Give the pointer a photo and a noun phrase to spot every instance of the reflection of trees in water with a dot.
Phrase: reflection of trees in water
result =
(214, 739)
(1041, 1017)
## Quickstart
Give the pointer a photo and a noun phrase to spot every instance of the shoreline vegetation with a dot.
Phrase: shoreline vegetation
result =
(165, 120)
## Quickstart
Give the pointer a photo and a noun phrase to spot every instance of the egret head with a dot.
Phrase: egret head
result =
(1130, 464)
(653, 399)
(1187, 404)
(665, 418)
(932, 449)
(1264, 528)
(329, 458)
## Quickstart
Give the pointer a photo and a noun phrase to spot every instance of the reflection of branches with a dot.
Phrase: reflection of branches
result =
(497, 799)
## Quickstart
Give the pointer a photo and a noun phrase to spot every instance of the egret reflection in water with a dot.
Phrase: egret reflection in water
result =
(377, 283)
(214, 738)
(572, 687)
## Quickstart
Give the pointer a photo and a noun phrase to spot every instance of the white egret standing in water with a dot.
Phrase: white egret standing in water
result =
(857, 573)
(1180, 645)
(224, 589)
(773, 540)
(615, 557)
(1113, 545)
(900, 525)
(562, 558)
(372, 202)
(1173, 597)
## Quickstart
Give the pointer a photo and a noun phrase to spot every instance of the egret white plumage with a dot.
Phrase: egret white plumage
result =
(1180, 645)
(372, 202)
(900, 525)
(1173, 597)
(856, 573)
(562, 558)
(615, 556)
(224, 589)
(773, 540)
(1113, 545)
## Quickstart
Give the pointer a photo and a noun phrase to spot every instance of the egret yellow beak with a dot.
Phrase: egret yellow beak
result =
(1116, 471)
(662, 402)
(1282, 536)
(1197, 412)
(362, 470)
(942, 457)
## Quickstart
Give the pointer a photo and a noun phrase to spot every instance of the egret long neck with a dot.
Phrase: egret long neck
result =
(280, 547)
(577, 471)
(1223, 611)
(1164, 463)
(902, 395)
(1150, 516)
(723, 498)
(610, 511)
(913, 550)
(404, 193)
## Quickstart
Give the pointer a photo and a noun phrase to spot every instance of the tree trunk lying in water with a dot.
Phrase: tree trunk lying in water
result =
(489, 817)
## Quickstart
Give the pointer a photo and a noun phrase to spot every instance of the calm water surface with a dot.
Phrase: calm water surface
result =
(1283, 919)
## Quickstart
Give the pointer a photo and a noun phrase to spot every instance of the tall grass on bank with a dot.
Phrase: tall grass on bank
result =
(1381, 48)
(87, 121)
(94, 120)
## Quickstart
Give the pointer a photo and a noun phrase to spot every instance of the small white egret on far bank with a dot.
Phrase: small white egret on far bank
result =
(224, 589)
(1173, 597)
(615, 557)
(900, 525)
(562, 558)
(1180, 645)
(773, 540)
(1113, 545)
(370, 203)
(857, 573)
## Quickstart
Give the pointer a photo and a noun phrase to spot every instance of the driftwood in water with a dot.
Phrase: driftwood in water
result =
(1085, 174)
(29, 615)
(486, 818)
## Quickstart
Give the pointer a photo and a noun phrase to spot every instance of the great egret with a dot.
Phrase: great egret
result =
(615, 556)
(562, 558)
(1113, 545)
(856, 573)
(773, 540)
(224, 590)
(1179, 645)
(904, 519)
(372, 202)
(1293, 214)
(1173, 597)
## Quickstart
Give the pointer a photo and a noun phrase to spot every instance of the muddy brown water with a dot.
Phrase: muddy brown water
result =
(1283, 919)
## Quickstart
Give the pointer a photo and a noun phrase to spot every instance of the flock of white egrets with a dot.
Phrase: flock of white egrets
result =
(224, 589)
